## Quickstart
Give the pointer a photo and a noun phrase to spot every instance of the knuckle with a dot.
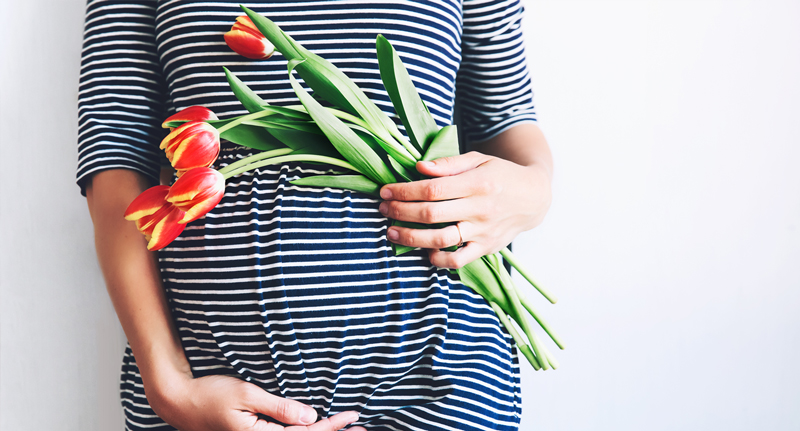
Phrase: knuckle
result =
(432, 191)
(408, 237)
(400, 192)
(441, 241)
(286, 412)
(431, 214)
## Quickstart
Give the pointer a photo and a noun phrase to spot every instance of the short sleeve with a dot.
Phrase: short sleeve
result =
(121, 93)
(493, 87)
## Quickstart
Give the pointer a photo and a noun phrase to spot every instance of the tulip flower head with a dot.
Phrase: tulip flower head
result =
(192, 113)
(191, 145)
(155, 217)
(246, 40)
(197, 192)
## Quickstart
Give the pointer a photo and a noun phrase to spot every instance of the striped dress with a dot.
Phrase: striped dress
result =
(296, 289)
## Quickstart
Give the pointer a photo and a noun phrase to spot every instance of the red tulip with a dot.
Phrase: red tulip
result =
(191, 145)
(246, 40)
(197, 192)
(156, 218)
(192, 113)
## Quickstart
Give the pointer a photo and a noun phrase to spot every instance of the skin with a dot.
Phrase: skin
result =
(495, 193)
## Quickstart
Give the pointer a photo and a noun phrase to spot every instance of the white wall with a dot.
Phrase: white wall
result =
(674, 237)
(673, 240)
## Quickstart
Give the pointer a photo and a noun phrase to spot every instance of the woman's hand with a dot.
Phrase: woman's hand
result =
(223, 403)
(490, 198)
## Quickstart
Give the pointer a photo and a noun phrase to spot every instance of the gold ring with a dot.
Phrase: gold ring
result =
(460, 238)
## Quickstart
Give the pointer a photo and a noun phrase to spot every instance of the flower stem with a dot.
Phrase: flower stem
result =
(528, 306)
(518, 266)
(524, 348)
(243, 118)
(254, 158)
(292, 158)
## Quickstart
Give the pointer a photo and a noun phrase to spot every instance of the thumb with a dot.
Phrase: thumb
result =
(288, 411)
(454, 165)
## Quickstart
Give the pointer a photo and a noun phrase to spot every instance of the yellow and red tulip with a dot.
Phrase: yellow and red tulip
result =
(197, 192)
(155, 217)
(246, 40)
(191, 145)
(192, 113)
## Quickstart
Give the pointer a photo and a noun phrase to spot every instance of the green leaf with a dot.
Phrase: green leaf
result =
(333, 85)
(286, 124)
(250, 100)
(420, 125)
(305, 143)
(252, 137)
(444, 144)
(479, 276)
(358, 183)
(345, 140)
(400, 170)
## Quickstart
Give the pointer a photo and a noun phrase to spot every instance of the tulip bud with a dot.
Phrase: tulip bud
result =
(246, 40)
(197, 192)
(192, 113)
(191, 145)
(156, 218)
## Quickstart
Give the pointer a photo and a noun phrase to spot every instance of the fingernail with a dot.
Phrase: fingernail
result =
(383, 208)
(352, 417)
(386, 193)
(426, 163)
(309, 416)
(393, 234)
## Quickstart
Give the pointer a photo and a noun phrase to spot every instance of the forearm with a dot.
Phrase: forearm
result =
(523, 144)
(133, 280)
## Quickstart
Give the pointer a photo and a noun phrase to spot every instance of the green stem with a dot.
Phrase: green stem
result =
(528, 306)
(402, 148)
(524, 348)
(519, 314)
(243, 118)
(254, 158)
(292, 158)
(518, 266)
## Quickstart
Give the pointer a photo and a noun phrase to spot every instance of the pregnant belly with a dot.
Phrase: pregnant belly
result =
(296, 289)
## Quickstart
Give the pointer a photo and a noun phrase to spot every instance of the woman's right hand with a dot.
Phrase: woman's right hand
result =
(224, 403)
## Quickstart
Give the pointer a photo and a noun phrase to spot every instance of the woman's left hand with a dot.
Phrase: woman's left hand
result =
(491, 199)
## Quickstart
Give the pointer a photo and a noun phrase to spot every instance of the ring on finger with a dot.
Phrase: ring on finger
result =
(460, 237)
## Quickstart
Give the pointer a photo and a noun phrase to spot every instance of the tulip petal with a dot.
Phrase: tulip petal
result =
(197, 192)
(147, 203)
(192, 113)
(166, 230)
(245, 39)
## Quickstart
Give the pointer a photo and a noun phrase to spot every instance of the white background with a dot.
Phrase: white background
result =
(673, 241)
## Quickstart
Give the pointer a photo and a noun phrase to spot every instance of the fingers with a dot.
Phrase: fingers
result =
(456, 259)
(437, 189)
(333, 423)
(425, 238)
(452, 165)
(431, 212)
(281, 409)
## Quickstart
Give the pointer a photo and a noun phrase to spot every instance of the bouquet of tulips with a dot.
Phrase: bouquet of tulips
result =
(353, 134)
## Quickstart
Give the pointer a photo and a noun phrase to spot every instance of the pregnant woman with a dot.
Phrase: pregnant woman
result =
(285, 306)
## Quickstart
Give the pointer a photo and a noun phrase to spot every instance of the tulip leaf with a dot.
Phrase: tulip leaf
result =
(250, 100)
(444, 144)
(303, 126)
(345, 140)
(400, 170)
(304, 143)
(420, 125)
(251, 137)
(331, 84)
(357, 183)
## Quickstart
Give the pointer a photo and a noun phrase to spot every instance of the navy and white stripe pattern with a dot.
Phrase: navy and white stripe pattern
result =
(296, 289)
